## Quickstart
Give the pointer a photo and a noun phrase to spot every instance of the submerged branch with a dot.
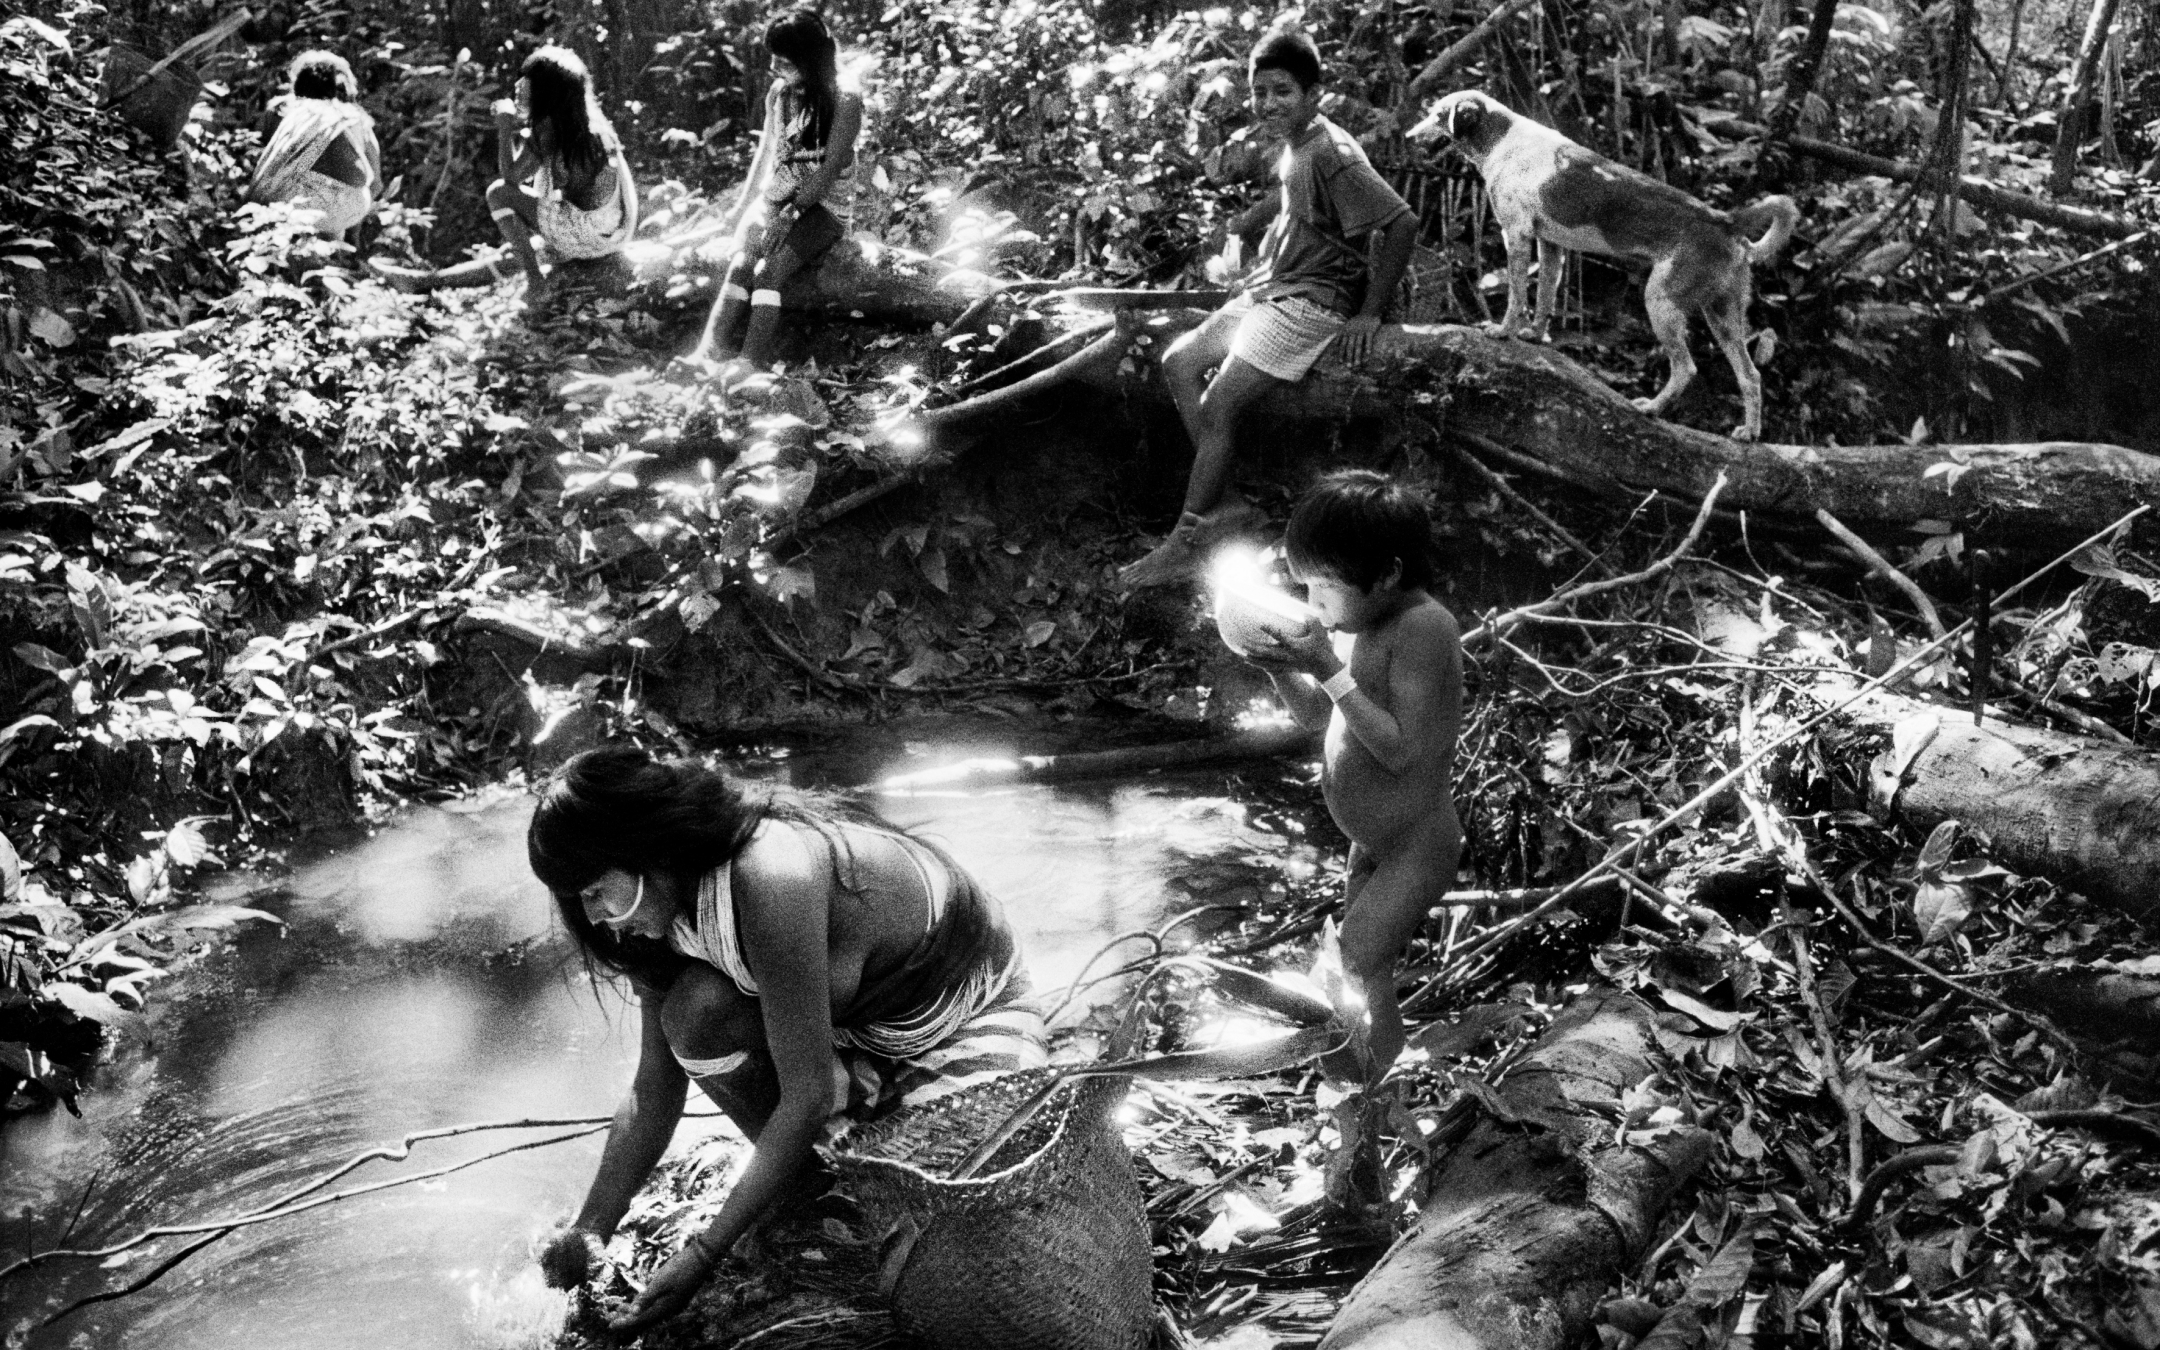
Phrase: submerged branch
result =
(288, 1204)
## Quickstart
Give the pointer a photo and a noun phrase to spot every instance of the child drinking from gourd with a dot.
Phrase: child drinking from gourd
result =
(1380, 667)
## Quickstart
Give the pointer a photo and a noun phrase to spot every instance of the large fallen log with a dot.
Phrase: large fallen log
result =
(1536, 403)
(2081, 812)
(1530, 1219)
(1544, 406)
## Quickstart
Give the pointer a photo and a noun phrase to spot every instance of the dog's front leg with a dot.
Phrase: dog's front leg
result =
(1520, 249)
(1551, 267)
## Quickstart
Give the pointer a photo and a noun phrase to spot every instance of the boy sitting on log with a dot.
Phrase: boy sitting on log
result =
(1388, 688)
(1312, 285)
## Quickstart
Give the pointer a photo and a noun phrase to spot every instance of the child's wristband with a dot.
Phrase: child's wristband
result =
(1338, 686)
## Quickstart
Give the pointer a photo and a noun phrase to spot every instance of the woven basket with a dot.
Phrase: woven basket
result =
(161, 106)
(1044, 1248)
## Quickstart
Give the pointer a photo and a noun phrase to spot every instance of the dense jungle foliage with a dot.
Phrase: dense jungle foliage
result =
(252, 505)
(245, 494)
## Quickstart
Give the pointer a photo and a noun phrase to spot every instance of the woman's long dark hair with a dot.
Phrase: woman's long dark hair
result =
(562, 97)
(618, 807)
(323, 75)
(801, 38)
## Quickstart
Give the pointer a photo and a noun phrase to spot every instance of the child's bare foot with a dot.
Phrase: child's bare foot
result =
(1180, 556)
(1173, 560)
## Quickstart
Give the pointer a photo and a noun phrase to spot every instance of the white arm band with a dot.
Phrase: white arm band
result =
(1338, 686)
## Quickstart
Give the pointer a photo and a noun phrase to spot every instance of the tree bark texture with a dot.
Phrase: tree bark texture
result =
(1801, 73)
(2081, 812)
(2078, 96)
(1530, 1219)
(1543, 405)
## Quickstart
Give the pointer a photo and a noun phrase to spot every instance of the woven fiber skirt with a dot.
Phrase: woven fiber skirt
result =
(1045, 1248)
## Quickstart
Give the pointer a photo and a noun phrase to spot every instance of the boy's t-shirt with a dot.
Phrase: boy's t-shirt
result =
(1332, 197)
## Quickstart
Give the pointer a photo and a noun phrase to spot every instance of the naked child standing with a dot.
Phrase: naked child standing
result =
(1388, 687)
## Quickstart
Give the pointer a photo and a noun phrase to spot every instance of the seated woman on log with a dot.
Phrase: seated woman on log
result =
(582, 200)
(794, 958)
(797, 195)
(323, 155)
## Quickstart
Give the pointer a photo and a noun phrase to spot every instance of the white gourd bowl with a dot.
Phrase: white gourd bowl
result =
(1249, 614)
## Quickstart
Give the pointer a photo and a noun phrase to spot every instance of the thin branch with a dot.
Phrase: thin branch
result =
(1510, 620)
(1437, 69)
(1506, 489)
(1882, 568)
(2012, 287)
(1076, 337)
(1518, 899)
(933, 420)
(285, 1204)
(1833, 1064)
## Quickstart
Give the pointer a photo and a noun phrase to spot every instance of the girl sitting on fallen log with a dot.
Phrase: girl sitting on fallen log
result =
(793, 958)
(582, 200)
(323, 156)
(796, 199)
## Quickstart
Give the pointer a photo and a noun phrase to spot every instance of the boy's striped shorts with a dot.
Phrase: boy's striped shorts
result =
(1282, 336)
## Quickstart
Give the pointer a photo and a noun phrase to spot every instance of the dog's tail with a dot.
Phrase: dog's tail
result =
(1767, 226)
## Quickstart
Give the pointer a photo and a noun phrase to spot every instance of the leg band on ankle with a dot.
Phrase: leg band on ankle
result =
(731, 291)
(765, 297)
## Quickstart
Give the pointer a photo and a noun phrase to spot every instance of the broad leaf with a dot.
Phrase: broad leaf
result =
(86, 1003)
(1940, 908)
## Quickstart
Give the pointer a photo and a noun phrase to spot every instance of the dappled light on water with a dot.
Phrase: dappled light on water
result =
(518, 1312)
(421, 983)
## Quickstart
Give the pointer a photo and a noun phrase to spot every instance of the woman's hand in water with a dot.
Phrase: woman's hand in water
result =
(670, 1290)
(571, 1258)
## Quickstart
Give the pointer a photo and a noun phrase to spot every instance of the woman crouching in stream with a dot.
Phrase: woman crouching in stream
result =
(796, 959)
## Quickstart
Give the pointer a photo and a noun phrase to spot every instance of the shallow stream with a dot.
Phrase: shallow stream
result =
(420, 983)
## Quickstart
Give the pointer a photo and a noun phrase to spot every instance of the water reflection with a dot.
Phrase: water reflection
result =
(420, 985)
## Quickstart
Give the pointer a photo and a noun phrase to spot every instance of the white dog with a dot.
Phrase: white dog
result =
(1545, 187)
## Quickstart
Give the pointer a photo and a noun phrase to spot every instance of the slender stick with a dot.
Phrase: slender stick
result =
(1983, 642)
(1506, 489)
(2020, 283)
(397, 1152)
(1882, 568)
(1515, 617)
(1833, 1065)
